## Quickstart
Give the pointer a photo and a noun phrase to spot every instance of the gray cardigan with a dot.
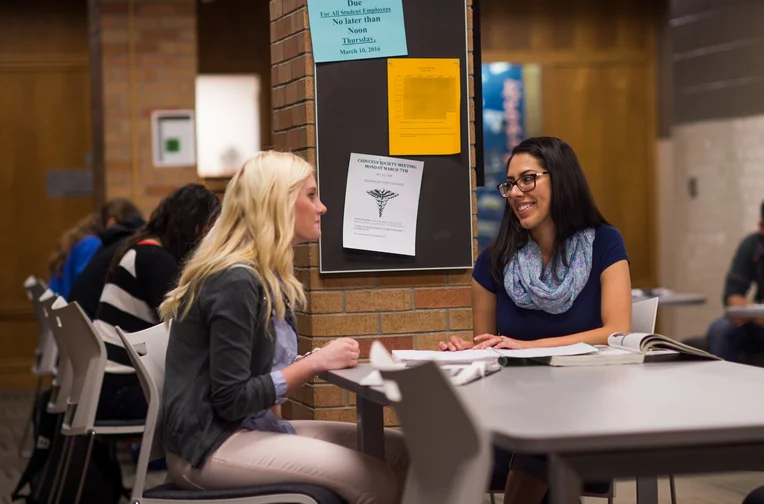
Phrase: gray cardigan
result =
(217, 367)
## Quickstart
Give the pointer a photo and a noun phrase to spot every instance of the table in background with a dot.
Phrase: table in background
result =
(668, 298)
(750, 311)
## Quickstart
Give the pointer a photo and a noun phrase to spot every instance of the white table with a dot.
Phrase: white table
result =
(606, 422)
(669, 298)
(750, 311)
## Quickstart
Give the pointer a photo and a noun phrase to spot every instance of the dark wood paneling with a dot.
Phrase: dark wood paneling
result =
(682, 8)
(712, 68)
(718, 69)
(730, 26)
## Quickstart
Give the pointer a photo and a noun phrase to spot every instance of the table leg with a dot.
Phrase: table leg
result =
(647, 490)
(564, 483)
(371, 430)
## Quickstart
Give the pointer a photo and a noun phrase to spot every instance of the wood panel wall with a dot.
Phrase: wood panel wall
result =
(44, 125)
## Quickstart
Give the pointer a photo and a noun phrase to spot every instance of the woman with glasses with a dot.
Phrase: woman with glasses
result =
(556, 274)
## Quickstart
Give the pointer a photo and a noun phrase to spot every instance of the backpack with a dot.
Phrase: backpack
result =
(103, 481)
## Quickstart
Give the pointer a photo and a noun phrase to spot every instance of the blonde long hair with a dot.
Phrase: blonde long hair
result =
(255, 230)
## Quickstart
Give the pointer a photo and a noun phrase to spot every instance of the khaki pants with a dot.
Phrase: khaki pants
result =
(322, 454)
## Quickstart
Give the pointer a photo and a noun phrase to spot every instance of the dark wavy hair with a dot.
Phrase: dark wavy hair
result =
(121, 210)
(572, 208)
(179, 222)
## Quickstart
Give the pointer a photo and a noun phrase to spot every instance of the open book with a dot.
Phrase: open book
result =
(632, 348)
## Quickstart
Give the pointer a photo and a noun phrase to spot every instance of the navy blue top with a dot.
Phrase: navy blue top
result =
(584, 315)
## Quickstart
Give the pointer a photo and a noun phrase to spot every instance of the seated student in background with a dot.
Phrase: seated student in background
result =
(732, 338)
(121, 219)
(232, 352)
(142, 271)
(78, 245)
(556, 274)
(73, 251)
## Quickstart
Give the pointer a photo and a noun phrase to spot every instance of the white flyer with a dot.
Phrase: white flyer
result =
(381, 204)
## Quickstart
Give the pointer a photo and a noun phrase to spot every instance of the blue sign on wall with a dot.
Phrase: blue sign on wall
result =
(503, 128)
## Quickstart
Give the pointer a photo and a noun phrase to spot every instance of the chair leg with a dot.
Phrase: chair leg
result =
(68, 450)
(85, 468)
(493, 499)
(672, 486)
(48, 462)
(24, 434)
(30, 420)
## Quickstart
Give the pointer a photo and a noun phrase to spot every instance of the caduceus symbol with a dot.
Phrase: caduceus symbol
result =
(382, 196)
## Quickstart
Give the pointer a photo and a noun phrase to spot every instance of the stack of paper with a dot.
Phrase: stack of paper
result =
(490, 354)
(460, 357)
(534, 353)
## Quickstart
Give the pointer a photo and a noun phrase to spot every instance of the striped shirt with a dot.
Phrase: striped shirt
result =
(133, 292)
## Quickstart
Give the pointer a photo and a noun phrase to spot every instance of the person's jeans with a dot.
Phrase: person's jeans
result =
(321, 453)
(730, 342)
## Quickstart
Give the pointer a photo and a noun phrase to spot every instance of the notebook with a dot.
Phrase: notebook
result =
(631, 348)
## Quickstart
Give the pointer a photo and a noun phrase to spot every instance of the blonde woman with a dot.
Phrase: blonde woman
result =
(233, 345)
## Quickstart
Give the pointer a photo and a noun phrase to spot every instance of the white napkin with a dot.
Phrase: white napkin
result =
(459, 374)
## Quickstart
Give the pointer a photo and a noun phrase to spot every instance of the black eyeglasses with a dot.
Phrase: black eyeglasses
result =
(525, 183)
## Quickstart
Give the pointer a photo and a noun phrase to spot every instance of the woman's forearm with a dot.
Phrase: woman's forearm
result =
(300, 372)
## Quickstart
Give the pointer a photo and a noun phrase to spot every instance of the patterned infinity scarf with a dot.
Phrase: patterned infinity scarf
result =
(534, 288)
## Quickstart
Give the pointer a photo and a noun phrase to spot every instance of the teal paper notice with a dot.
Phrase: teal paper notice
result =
(356, 29)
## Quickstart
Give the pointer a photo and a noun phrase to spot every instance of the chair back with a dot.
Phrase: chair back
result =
(87, 355)
(63, 382)
(643, 315)
(47, 351)
(450, 459)
(147, 350)
(34, 288)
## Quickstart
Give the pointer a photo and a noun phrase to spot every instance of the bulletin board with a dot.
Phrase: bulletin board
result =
(352, 117)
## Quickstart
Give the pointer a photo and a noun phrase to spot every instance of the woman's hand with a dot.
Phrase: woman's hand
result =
(341, 353)
(491, 341)
(455, 343)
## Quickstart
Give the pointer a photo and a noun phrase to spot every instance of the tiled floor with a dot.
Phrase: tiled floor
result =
(717, 489)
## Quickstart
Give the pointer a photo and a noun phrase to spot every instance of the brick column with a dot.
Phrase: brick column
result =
(148, 62)
(403, 310)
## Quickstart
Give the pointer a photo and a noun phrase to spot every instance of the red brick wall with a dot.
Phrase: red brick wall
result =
(158, 73)
(403, 310)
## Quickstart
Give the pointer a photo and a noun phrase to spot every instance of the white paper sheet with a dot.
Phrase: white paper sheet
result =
(381, 204)
(460, 357)
(531, 353)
